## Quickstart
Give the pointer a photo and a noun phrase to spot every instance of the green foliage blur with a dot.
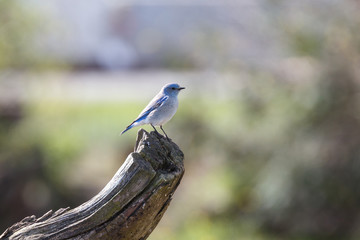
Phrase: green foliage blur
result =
(277, 158)
(17, 29)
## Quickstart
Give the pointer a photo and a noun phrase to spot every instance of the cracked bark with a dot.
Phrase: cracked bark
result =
(130, 205)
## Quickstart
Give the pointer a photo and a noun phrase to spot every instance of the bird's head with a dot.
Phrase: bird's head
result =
(172, 89)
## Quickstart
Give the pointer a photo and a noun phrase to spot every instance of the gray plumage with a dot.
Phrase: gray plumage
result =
(160, 109)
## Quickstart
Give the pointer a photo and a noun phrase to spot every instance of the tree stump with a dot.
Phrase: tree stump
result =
(130, 205)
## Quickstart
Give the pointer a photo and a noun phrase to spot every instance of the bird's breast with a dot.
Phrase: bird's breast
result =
(163, 113)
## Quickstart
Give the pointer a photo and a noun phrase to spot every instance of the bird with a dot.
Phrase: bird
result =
(160, 109)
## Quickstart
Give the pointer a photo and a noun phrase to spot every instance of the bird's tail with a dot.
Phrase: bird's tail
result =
(127, 128)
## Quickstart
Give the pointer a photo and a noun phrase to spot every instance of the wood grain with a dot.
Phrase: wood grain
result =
(130, 205)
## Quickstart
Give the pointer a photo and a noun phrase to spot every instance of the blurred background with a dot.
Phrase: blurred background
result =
(269, 121)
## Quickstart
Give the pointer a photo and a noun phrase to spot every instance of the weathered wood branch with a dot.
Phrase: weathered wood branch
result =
(129, 207)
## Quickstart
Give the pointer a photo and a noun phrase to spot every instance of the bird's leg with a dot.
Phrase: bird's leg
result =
(164, 133)
(155, 129)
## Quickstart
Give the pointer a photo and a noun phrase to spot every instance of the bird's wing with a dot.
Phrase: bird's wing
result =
(154, 104)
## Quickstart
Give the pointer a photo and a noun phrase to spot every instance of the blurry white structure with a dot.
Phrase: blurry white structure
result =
(125, 34)
(114, 34)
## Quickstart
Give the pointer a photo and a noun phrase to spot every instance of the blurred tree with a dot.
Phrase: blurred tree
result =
(321, 192)
(19, 32)
(22, 168)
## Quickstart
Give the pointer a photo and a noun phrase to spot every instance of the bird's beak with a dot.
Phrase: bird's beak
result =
(181, 88)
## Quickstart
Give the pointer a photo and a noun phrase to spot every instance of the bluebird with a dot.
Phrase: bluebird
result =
(160, 109)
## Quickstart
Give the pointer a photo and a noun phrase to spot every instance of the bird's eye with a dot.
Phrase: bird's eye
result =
(173, 88)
